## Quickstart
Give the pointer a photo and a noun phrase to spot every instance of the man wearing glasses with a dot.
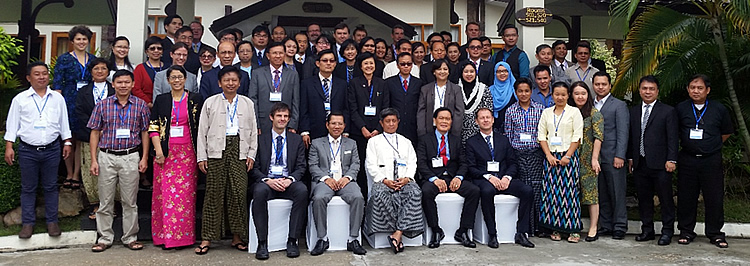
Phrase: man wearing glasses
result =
(319, 96)
(391, 69)
(511, 54)
(260, 42)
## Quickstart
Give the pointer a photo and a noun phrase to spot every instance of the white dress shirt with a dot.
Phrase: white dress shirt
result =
(439, 97)
(382, 153)
(643, 109)
(38, 120)
(599, 103)
(284, 148)
(99, 91)
(335, 152)
(299, 58)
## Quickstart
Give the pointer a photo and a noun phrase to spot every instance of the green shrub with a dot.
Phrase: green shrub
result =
(10, 185)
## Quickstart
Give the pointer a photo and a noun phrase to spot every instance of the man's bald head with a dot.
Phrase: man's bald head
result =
(226, 53)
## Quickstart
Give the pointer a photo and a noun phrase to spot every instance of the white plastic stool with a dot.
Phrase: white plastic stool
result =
(338, 225)
(506, 216)
(278, 216)
(449, 207)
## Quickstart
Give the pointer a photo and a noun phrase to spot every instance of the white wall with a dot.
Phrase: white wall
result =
(48, 29)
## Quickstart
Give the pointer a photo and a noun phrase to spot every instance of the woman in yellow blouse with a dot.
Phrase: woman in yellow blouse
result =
(560, 132)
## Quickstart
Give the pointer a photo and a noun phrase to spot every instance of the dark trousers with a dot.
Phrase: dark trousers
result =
(38, 167)
(518, 189)
(613, 214)
(696, 174)
(262, 193)
(647, 182)
(361, 151)
(467, 190)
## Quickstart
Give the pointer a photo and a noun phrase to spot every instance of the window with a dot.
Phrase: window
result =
(424, 30)
(61, 43)
(156, 25)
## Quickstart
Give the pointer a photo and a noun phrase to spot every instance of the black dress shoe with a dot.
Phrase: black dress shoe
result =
(493, 243)
(523, 240)
(262, 252)
(355, 247)
(592, 238)
(465, 240)
(320, 247)
(604, 232)
(645, 236)
(292, 250)
(437, 236)
(618, 235)
(665, 240)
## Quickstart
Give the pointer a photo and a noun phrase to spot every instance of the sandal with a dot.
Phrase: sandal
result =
(574, 238)
(92, 214)
(720, 242)
(75, 184)
(68, 183)
(685, 240)
(555, 236)
(135, 245)
(99, 247)
(241, 246)
(394, 244)
(201, 250)
(400, 246)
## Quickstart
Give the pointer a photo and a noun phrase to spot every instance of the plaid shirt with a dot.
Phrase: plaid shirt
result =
(107, 116)
(517, 122)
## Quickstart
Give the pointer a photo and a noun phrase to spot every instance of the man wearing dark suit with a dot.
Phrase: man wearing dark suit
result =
(172, 23)
(448, 95)
(491, 163)
(652, 157)
(613, 216)
(197, 28)
(472, 31)
(210, 80)
(439, 161)
(260, 39)
(280, 163)
(319, 96)
(274, 83)
(334, 163)
(485, 69)
(304, 60)
(403, 90)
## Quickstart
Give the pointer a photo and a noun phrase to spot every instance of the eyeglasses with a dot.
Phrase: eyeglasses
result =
(207, 56)
(473, 47)
(502, 71)
(260, 35)
(176, 77)
(180, 55)
(155, 48)
(405, 64)
(328, 61)
(243, 51)
(369, 45)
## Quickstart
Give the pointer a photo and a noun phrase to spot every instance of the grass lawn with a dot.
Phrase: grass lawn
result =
(67, 224)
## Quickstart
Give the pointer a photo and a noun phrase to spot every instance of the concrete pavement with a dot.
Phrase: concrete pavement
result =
(603, 252)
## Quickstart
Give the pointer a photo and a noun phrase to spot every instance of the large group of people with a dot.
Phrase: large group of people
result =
(387, 127)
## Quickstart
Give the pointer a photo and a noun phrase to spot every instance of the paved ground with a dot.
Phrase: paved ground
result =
(603, 252)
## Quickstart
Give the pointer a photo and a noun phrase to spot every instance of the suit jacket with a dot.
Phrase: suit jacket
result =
(161, 118)
(312, 110)
(598, 64)
(84, 106)
(193, 62)
(259, 90)
(340, 72)
(359, 96)
(660, 139)
(478, 154)
(166, 45)
(321, 157)
(428, 149)
(161, 84)
(210, 83)
(403, 101)
(295, 156)
(263, 61)
(616, 123)
(486, 72)
(454, 100)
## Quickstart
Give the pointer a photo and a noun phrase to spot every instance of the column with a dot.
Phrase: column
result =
(441, 16)
(132, 18)
(529, 37)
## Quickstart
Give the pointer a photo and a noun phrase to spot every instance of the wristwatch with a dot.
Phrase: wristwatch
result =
(566, 157)
(68, 143)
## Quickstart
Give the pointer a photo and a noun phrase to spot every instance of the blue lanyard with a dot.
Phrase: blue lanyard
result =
(152, 66)
(279, 150)
(176, 109)
(697, 118)
(554, 120)
(389, 143)
(82, 67)
(370, 95)
(122, 119)
(441, 97)
(446, 147)
(337, 151)
(97, 100)
(526, 117)
(231, 117)
(46, 98)
(584, 75)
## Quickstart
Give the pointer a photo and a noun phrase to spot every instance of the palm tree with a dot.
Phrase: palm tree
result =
(674, 45)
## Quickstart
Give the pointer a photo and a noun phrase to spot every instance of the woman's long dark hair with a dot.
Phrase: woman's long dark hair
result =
(112, 63)
(586, 108)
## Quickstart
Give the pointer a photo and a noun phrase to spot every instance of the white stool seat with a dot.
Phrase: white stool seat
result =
(449, 207)
(338, 225)
(278, 216)
(506, 216)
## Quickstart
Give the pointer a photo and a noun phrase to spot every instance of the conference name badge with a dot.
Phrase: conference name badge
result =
(176, 131)
(437, 162)
(526, 137)
(277, 170)
(275, 97)
(696, 133)
(370, 110)
(555, 141)
(493, 166)
(122, 133)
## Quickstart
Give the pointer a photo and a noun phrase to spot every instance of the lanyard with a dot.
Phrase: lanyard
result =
(554, 120)
(586, 74)
(526, 117)
(279, 150)
(444, 148)
(176, 110)
(122, 119)
(231, 117)
(99, 98)
(370, 99)
(82, 67)
(697, 118)
(441, 97)
(45, 104)
(389, 143)
(337, 151)
(152, 66)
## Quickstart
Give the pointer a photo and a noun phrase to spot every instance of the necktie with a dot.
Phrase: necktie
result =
(489, 145)
(276, 79)
(260, 58)
(646, 114)
(443, 150)
(476, 65)
(326, 90)
(299, 59)
(406, 85)
(562, 66)
(195, 48)
(279, 150)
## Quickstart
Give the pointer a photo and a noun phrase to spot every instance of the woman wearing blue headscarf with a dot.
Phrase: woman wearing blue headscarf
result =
(503, 94)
